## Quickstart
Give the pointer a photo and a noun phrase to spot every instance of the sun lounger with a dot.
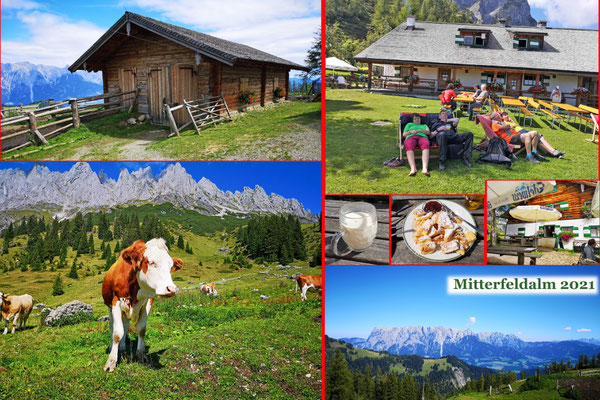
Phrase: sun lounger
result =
(596, 120)
(486, 124)
(427, 118)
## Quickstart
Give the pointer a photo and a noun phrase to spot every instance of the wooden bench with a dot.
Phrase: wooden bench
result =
(527, 114)
(535, 105)
(519, 252)
(555, 117)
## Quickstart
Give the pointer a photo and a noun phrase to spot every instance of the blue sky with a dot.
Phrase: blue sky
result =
(357, 299)
(54, 32)
(299, 180)
(566, 13)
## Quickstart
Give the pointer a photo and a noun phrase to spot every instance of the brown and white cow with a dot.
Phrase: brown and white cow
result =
(306, 282)
(209, 289)
(142, 272)
(15, 308)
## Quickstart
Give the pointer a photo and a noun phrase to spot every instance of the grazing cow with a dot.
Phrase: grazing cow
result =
(15, 308)
(306, 282)
(142, 272)
(209, 289)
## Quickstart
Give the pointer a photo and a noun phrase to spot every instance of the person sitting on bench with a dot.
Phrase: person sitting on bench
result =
(542, 142)
(479, 99)
(476, 93)
(448, 96)
(416, 134)
(528, 138)
(588, 251)
(444, 131)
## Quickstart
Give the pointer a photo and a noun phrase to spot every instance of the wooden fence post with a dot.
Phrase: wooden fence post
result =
(490, 390)
(510, 388)
(172, 123)
(75, 110)
(34, 129)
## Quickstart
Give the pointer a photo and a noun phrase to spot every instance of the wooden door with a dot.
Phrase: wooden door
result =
(443, 76)
(159, 93)
(185, 87)
(513, 85)
(127, 83)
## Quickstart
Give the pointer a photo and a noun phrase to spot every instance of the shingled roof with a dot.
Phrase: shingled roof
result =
(433, 43)
(222, 50)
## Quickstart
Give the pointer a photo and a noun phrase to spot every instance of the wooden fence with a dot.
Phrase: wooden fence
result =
(37, 126)
(202, 112)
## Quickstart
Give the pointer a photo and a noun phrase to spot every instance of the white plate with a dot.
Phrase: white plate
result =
(438, 255)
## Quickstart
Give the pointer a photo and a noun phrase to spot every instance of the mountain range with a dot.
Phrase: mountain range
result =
(489, 349)
(25, 83)
(80, 189)
(517, 12)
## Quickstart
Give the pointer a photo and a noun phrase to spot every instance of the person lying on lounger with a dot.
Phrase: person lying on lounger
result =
(416, 134)
(542, 142)
(444, 131)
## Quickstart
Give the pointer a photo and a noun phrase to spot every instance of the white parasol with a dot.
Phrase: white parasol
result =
(535, 213)
(500, 193)
(336, 64)
(595, 200)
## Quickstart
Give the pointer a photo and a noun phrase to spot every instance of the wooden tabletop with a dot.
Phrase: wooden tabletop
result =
(377, 253)
(568, 107)
(401, 254)
(589, 109)
(516, 249)
(463, 99)
(512, 102)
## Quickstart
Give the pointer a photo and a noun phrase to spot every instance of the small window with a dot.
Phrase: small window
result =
(529, 80)
(522, 43)
(445, 74)
(479, 41)
(555, 189)
(468, 40)
(566, 229)
(594, 231)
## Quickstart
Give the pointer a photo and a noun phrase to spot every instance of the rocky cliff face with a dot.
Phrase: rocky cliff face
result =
(517, 12)
(81, 189)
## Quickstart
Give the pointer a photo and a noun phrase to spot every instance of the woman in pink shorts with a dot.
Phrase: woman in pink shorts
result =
(416, 134)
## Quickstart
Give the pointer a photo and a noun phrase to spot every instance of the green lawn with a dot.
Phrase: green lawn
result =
(356, 150)
(105, 139)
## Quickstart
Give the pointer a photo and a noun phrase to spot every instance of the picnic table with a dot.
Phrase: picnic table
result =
(463, 99)
(377, 253)
(512, 102)
(520, 252)
(519, 240)
(568, 107)
(589, 109)
(401, 254)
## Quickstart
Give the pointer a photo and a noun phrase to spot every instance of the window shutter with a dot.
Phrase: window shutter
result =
(459, 39)
(515, 43)
(534, 43)
(587, 232)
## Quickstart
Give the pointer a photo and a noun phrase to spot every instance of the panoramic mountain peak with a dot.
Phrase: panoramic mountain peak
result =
(81, 189)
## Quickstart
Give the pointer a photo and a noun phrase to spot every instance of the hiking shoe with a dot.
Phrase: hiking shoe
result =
(540, 157)
(396, 163)
(531, 159)
(558, 154)
(390, 161)
(467, 162)
(442, 165)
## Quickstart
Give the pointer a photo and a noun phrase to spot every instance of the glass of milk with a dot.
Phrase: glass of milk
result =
(358, 227)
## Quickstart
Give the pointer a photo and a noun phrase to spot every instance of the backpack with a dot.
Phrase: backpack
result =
(497, 152)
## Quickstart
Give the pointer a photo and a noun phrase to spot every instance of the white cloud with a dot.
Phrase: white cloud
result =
(519, 333)
(568, 328)
(471, 321)
(568, 13)
(584, 330)
(284, 28)
(19, 5)
(52, 40)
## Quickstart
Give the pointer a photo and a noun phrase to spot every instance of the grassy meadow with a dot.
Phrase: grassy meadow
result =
(356, 150)
(105, 139)
(233, 346)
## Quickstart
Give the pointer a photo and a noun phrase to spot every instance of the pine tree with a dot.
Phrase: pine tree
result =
(73, 272)
(180, 243)
(339, 383)
(106, 252)
(188, 249)
(91, 249)
(57, 288)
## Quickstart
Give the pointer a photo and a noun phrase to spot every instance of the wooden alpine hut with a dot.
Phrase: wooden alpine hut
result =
(168, 63)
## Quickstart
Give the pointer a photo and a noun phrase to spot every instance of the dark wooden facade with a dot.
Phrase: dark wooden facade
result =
(165, 71)
(567, 192)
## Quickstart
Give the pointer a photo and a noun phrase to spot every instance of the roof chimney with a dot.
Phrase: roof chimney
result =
(502, 22)
(542, 23)
(410, 22)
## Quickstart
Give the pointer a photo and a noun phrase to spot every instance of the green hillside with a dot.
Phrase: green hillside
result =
(233, 346)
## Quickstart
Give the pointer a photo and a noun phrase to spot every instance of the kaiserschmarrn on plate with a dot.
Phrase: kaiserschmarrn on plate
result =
(439, 231)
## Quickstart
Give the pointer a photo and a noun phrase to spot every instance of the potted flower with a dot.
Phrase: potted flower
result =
(455, 82)
(495, 87)
(537, 90)
(247, 98)
(580, 91)
(567, 239)
(278, 93)
(411, 80)
(586, 211)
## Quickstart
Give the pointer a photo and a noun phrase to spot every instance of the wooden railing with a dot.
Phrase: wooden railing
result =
(44, 123)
